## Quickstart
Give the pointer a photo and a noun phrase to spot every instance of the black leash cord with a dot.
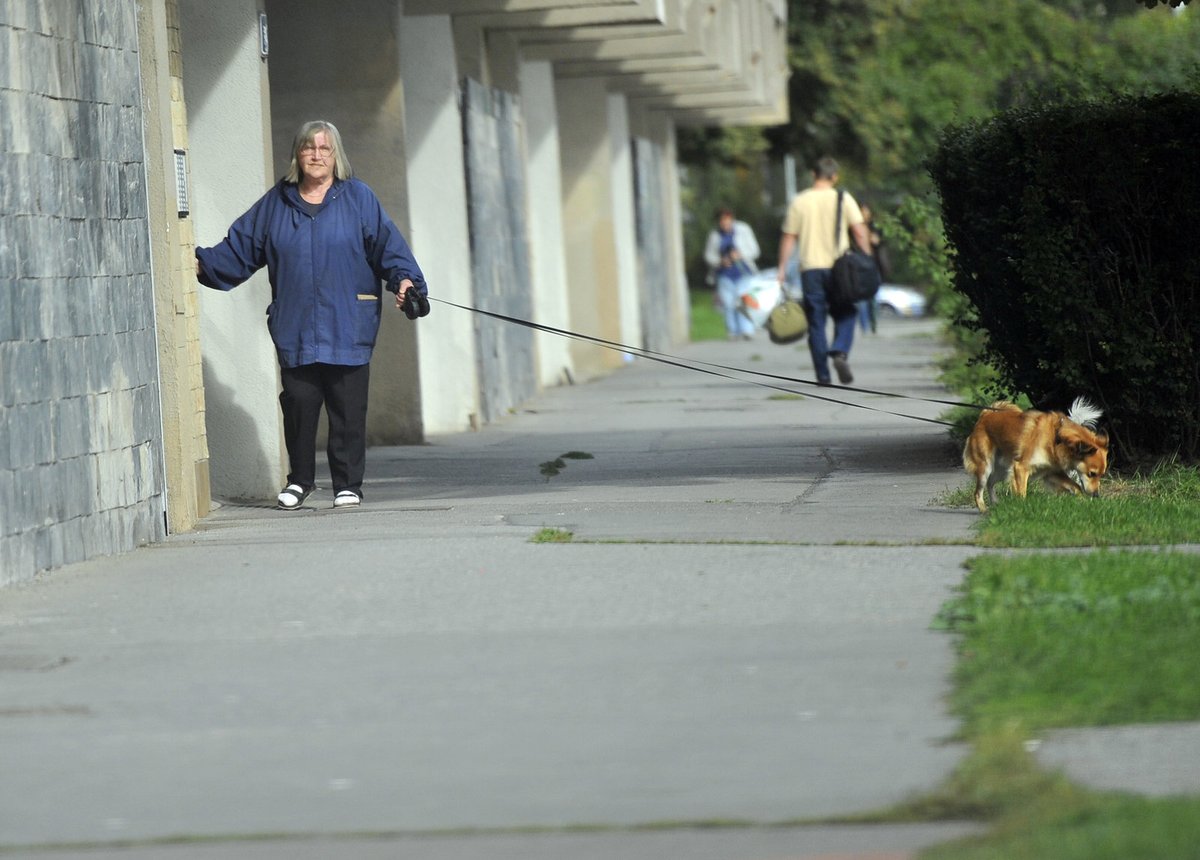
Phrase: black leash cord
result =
(700, 367)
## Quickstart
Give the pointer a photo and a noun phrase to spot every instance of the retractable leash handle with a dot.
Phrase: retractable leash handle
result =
(415, 305)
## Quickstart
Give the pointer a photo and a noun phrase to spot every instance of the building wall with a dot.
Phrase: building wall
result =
(172, 243)
(81, 466)
(225, 87)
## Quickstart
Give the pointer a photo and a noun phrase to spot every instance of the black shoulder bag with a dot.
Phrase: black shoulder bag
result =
(856, 276)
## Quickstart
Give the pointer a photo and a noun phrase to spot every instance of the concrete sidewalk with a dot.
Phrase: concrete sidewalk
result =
(738, 633)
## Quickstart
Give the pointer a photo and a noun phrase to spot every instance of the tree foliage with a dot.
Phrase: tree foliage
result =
(874, 82)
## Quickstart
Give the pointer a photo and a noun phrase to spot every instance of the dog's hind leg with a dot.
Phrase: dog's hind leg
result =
(981, 471)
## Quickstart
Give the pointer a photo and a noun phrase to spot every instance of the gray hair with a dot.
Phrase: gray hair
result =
(305, 136)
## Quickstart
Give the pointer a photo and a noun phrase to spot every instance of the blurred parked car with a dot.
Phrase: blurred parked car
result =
(895, 300)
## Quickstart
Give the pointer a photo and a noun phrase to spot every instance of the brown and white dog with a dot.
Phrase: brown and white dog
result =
(1065, 451)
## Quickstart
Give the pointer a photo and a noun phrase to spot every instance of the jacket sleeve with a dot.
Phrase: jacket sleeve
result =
(387, 250)
(747, 242)
(242, 252)
(712, 249)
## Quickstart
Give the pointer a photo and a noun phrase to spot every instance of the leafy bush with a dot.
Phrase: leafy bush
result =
(1071, 228)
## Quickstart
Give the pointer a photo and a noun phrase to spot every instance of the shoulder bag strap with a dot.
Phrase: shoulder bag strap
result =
(837, 223)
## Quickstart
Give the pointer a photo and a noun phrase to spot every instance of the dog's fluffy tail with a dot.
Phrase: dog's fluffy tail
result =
(1085, 412)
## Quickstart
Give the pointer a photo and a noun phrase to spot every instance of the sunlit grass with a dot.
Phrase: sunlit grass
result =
(707, 321)
(1160, 508)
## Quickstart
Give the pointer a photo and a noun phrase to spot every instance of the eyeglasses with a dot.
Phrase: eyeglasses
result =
(322, 152)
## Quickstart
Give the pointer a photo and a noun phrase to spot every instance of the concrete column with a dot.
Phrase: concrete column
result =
(624, 217)
(225, 85)
(662, 130)
(438, 197)
(589, 232)
(551, 300)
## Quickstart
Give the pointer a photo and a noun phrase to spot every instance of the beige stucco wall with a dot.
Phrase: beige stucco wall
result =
(185, 440)
(225, 87)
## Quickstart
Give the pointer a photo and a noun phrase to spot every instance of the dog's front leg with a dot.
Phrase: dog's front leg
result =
(1020, 478)
(1061, 483)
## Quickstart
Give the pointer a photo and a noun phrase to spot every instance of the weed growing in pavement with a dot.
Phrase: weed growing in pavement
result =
(550, 468)
(551, 535)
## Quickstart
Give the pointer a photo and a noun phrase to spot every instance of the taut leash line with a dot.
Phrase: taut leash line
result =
(702, 367)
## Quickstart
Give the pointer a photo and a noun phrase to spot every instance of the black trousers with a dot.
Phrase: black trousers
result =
(342, 391)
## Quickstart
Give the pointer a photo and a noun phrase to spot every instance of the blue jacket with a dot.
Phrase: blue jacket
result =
(325, 270)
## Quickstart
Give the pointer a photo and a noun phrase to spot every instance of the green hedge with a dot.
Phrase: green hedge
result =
(1076, 239)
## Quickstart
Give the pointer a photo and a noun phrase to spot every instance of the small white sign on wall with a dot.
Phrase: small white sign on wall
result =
(181, 187)
(263, 42)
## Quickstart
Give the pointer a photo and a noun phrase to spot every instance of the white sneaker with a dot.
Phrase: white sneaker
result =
(346, 499)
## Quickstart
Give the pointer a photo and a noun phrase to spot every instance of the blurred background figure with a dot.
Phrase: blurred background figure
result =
(731, 252)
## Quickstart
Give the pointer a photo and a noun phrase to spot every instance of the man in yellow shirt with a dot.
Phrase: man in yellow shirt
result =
(809, 227)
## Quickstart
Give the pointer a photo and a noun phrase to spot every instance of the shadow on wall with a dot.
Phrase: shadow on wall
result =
(250, 476)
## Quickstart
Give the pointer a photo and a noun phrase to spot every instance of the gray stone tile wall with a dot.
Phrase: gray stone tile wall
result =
(80, 425)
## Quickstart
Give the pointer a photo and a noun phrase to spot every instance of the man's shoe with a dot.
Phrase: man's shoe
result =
(346, 499)
(292, 496)
(843, 369)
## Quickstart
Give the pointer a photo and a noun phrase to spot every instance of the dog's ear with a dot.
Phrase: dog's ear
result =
(1083, 449)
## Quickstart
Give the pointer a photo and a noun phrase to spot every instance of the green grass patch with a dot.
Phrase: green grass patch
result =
(1160, 508)
(1077, 640)
(786, 396)
(1086, 826)
(550, 535)
(1045, 640)
(708, 323)
(999, 782)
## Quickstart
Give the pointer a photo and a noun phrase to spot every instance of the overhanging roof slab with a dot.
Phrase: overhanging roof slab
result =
(651, 12)
(479, 7)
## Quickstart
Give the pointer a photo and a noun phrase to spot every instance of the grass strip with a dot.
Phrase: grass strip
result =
(1067, 640)
(1162, 507)
(1103, 638)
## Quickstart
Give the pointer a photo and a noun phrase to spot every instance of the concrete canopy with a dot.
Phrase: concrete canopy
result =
(714, 62)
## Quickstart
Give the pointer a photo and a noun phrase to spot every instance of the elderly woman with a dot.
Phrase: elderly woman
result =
(328, 247)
